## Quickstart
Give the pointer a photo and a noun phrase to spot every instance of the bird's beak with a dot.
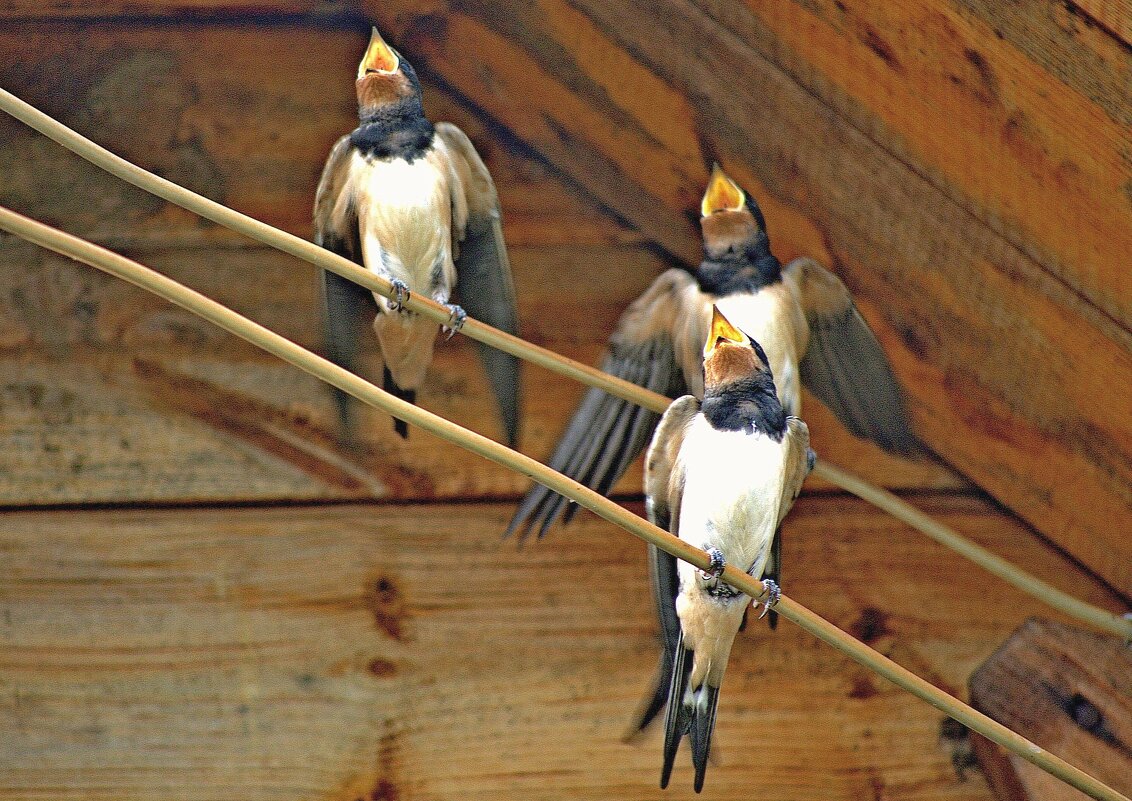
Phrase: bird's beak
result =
(379, 57)
(722, 331)
(722, 194)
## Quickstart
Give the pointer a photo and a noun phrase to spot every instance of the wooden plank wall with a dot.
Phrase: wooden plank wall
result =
(110, 395)
(963, 166)
(308, 654)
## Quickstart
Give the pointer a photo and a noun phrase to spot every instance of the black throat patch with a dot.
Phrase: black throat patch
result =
(744, 269)
(396, 130)
(749, 404)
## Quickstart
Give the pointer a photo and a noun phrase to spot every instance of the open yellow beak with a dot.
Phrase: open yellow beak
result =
(379, 57)
(722, 331)
(722, 194)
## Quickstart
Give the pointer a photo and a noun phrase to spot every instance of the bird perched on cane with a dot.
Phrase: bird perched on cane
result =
(720, 474)
(413, 203)
(802, 315)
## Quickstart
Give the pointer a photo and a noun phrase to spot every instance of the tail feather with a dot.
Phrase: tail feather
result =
(696, 719)
(703, 724)
(662, 687)
(410, 395)
(677, 720)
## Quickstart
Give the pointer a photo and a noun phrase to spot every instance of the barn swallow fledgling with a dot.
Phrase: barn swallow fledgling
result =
(720, 474)
(802, 315)
(413, 203)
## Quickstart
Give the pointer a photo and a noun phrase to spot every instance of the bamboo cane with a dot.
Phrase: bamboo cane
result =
(448, 431)
(320, 257)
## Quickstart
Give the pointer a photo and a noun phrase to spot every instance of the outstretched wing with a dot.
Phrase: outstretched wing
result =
(606, 433)
(664, 482)
(483, 272)
(844, 364)
(345, 304)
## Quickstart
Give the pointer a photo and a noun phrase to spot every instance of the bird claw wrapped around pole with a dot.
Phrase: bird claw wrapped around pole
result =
(456, 318)
(400, 295)
(715, 569)
(773, 593)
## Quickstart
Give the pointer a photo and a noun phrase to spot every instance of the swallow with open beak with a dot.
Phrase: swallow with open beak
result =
(412, 202)
(720, 474)
(802, 315)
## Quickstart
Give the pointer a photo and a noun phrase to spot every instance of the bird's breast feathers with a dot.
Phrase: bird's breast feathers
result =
(772, 318)
(732, 485)
(404, 213)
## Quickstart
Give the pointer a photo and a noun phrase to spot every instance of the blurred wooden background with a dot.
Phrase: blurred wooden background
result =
(965, 167)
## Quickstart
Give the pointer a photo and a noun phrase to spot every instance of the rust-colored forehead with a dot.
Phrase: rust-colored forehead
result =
(729, 362)
(728, 229)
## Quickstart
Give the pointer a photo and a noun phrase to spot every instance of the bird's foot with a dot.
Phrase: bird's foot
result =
(773, 593)
(715, 569)
(456, 318)
(400, 295)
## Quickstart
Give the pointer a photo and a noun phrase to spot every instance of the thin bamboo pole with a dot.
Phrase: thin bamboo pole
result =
(273, 343)
(320, 257)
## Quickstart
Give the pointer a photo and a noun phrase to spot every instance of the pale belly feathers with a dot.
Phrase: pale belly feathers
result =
(772, 318)
(405, 219)
(733, 486)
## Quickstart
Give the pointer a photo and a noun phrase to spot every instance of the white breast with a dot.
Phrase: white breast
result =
(404, 215)
(769, 317)
(733, 485)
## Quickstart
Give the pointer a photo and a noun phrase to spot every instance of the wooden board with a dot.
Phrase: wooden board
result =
(308, 653)
(1066, 690)
(110, 395)
(1018, 368)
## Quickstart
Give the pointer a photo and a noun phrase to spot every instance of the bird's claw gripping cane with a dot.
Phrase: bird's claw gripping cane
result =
(456, 318)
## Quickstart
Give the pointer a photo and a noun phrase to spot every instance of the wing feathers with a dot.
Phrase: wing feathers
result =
(606, 433)
(676, 719)
(844, 365)
(483, 271)
(345, 304)
(666, 584)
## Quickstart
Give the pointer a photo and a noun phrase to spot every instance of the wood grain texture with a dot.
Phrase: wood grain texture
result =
(1009, 110)
(1113, 16)
(184, 10)
(113, 396)
(109, 395)
(1015, 377)
(1068, 691)
(306, 653)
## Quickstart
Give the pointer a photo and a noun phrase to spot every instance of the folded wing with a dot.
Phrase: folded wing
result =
(346, 306)
(664, 483)
(483, 272)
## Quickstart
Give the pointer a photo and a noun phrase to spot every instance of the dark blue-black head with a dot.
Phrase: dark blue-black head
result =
(393, 123)
(737, 255)
(385, 78)
(739, 392)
